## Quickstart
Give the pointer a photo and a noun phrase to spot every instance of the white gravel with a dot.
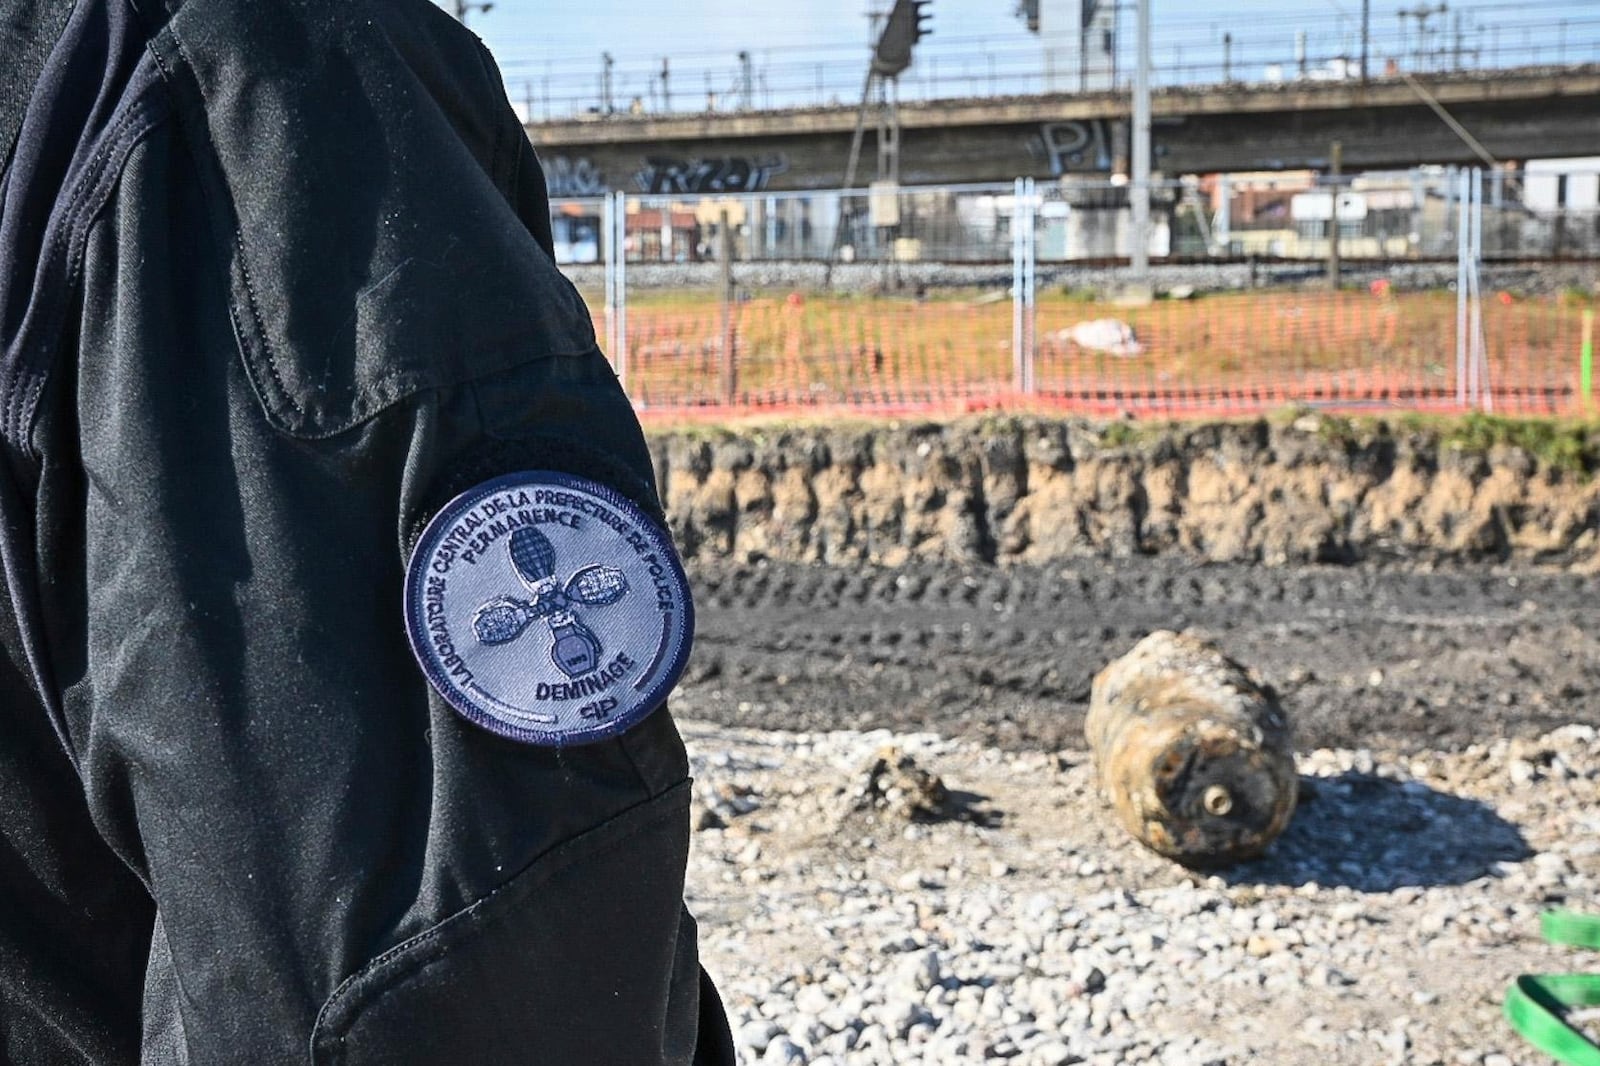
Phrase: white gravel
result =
(1382, 928)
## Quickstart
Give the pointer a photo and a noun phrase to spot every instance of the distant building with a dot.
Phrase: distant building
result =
(1288, 214)
(576, 229)
(1555, 185)
(1562, 201)
(663, 234)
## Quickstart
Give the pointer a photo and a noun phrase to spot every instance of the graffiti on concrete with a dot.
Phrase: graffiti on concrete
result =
(725, 175)
(1075, 146)
(574, 177)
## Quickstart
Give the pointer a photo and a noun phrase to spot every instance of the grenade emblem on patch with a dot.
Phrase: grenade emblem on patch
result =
(575, 649)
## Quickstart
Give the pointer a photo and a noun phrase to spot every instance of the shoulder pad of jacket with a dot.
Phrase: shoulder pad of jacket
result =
(358, 157)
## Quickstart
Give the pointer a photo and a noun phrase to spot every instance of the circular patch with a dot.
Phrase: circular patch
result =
(548, 608)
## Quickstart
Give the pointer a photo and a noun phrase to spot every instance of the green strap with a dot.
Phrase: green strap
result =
(1536, 1005)
(1567, 927)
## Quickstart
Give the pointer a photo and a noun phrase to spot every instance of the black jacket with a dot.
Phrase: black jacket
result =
(276, 284)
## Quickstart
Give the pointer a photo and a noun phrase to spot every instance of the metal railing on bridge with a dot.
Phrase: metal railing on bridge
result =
(1270, 48)
(1461, 290)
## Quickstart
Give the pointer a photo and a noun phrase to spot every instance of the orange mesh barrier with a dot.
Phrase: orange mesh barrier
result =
(1221, 355)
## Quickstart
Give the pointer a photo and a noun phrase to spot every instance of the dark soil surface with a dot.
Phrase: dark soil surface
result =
(1363, 657)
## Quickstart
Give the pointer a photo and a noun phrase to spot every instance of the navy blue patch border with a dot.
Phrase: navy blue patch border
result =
(416, 572)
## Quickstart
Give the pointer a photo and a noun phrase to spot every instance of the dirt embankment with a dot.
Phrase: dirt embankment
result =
(1035, 490)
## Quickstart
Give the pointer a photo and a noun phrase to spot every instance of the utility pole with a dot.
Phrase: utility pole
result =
(1086, 20)
(1366, 35)
(1422, 13)
(666, 84)
(606, 63)
(1227, 57)
(894, 37)
(747, 85)
(1140, 257)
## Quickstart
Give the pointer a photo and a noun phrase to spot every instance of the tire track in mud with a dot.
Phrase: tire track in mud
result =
(1362, 656)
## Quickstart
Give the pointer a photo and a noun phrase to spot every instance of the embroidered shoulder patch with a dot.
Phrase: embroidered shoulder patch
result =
(548, 608)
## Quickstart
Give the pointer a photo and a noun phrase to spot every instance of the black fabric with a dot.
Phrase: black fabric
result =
(82, 117)
(278, 349)
(28, 32)
(74, 922)
(330, 166)
(539, 932)
(75, 129)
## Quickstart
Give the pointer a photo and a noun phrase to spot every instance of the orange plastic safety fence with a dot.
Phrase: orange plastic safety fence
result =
(1220, 355)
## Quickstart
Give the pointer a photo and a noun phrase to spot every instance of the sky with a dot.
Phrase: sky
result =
(550, 50)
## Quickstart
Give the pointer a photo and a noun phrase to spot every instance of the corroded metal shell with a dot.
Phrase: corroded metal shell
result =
(1195, 756)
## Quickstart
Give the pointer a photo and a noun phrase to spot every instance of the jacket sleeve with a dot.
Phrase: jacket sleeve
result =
(311, 315)
(74, 921)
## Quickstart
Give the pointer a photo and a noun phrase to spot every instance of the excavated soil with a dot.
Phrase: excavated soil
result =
(1370, 656)
(1035, 491)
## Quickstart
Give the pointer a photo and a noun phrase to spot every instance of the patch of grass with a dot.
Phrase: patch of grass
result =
(999, 423)
(708, 432)
(1560, 445)
(1331, 428)
(1336, 429)
(1568, 445)
(1289, 414)
(1427, 425)
(1118, 435)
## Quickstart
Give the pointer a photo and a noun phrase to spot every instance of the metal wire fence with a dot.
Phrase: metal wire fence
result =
(980, 296)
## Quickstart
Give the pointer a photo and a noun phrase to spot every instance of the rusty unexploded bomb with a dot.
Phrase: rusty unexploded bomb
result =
(1194, 754)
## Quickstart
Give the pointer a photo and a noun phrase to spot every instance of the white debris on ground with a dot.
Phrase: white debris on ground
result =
(1110, 335)
(1382, 928)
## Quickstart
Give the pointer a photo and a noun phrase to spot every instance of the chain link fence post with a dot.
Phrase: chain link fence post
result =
(619, 346)
(730, 328)
(1019, 296)
(1478, 352)
(608, 259)
(1030, 288)
(1464, 396)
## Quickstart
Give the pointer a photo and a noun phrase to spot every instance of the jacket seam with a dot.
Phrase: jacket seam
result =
(502, 174)
(259, 334)
(89, 197)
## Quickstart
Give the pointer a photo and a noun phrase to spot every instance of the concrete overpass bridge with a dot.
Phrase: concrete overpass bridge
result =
(1529, 113)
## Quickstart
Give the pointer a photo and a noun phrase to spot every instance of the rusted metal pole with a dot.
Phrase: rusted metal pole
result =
(1195, 756)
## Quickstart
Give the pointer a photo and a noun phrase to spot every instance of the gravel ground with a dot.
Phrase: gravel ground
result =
(1447, 798)
(1021, 924)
